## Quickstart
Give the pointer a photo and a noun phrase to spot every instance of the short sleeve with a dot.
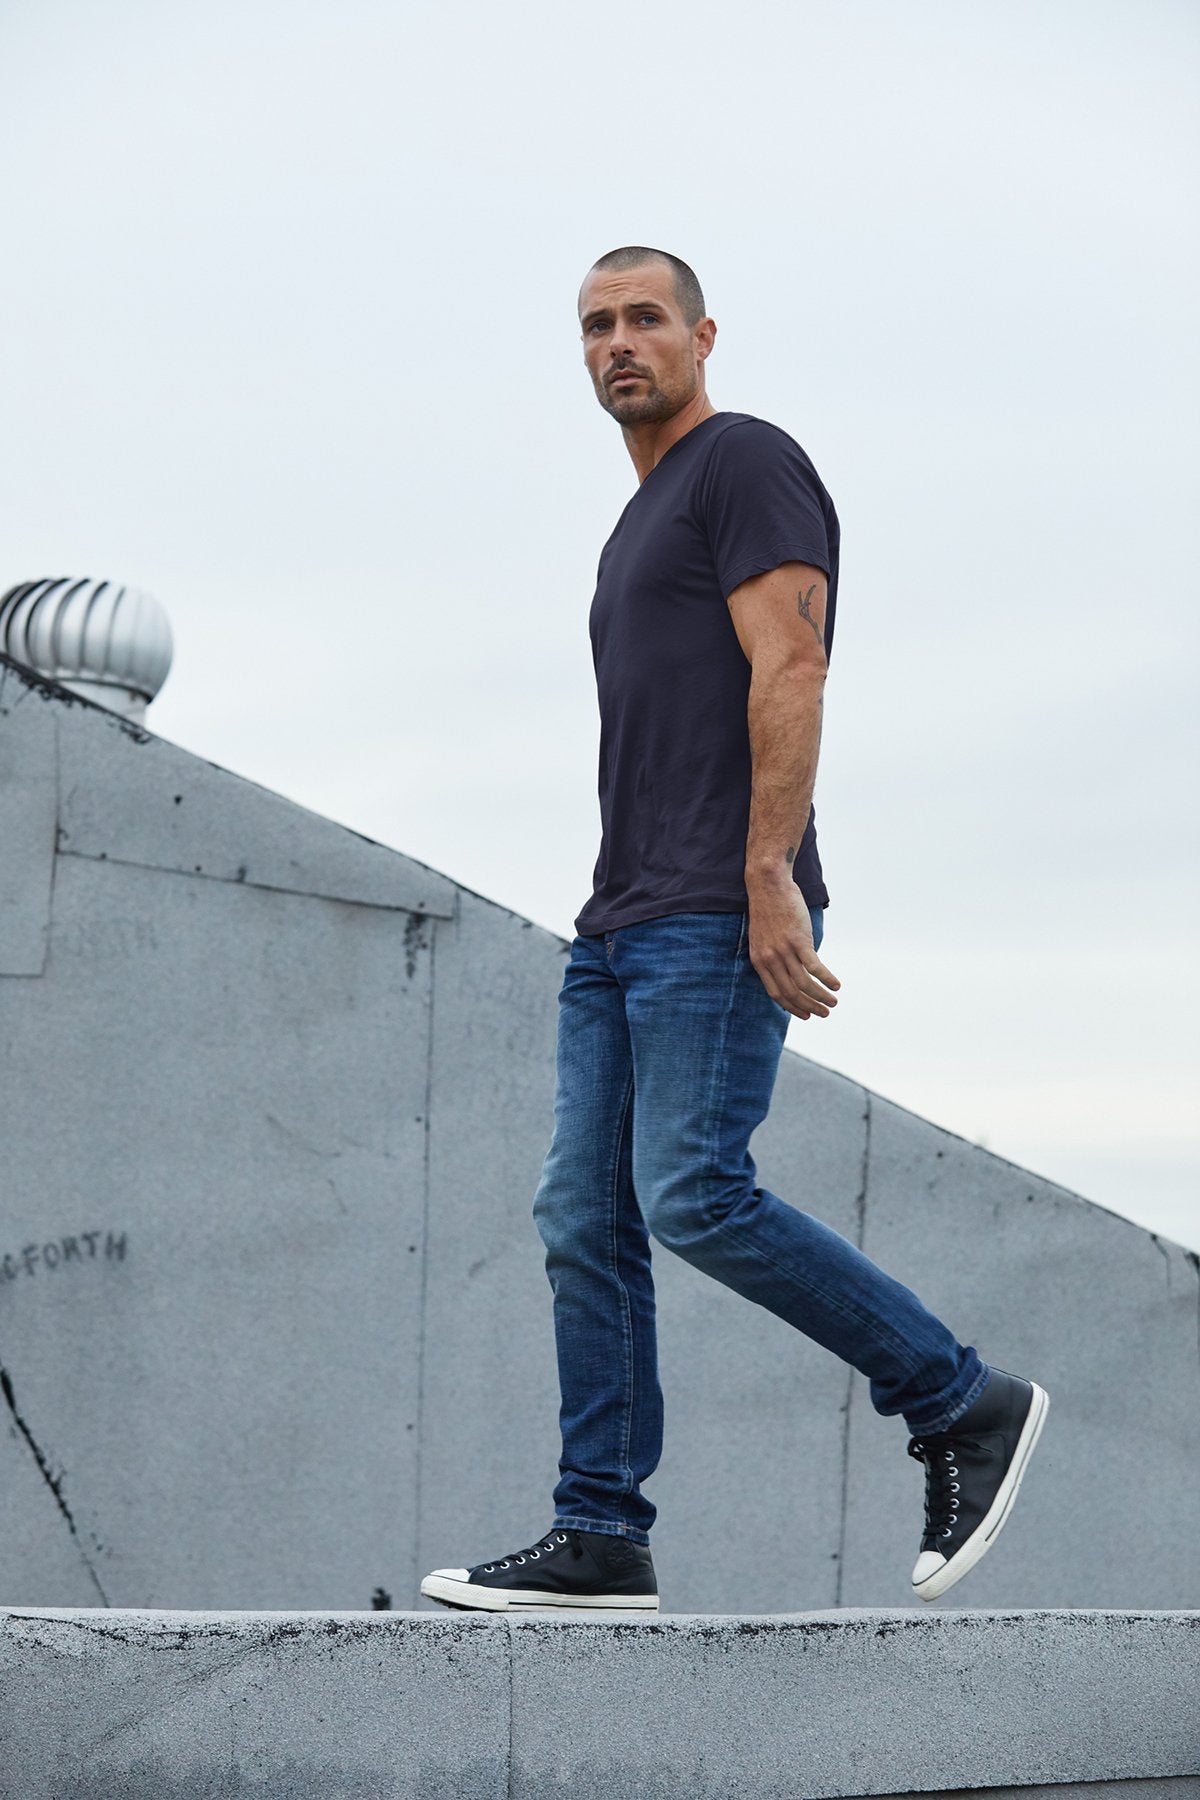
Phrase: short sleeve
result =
(763, 504)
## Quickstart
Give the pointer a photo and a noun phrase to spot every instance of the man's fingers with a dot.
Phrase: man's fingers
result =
(809, 979)
(796, 1000)
(801, 1008)
(816, 967)
(813, 1008)
(802, 986)
(789, 972)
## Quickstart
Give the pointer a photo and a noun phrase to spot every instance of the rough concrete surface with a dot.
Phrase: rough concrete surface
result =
(793, 1707)
(846, 1702)
(200, 1706)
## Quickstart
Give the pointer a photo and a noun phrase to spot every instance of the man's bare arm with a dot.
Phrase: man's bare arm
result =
(779, 619)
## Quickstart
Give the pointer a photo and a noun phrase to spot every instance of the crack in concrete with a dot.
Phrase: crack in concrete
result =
(295, 1137)
(108, 1632)
(860, 1232)
(182, 1683)
(54, 1483)
(860, 1204)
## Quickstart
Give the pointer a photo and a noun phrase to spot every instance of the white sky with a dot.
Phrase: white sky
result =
(287, 337)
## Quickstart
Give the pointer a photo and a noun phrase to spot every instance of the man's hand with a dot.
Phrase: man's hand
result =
(781, 950)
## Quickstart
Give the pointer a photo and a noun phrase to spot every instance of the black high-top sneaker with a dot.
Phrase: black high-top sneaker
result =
(565, 1568)
(972, 1473)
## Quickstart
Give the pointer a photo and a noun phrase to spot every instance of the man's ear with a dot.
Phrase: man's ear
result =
(705, 337)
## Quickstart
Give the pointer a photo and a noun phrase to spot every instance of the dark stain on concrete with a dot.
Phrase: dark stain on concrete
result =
(416, 939)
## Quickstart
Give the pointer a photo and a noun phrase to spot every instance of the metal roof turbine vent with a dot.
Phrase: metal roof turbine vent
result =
(111, 644)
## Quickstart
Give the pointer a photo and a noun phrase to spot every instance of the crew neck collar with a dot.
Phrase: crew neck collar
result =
(680, 442)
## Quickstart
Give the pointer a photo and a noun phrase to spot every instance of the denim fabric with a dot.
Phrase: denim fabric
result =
(668, 1048)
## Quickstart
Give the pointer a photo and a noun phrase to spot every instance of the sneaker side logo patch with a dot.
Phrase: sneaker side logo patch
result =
(620, 1556)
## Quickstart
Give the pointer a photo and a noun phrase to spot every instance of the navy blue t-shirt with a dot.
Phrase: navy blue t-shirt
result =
(732, 498)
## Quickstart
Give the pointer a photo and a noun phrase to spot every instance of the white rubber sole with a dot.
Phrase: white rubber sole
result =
(990, 1527)
(478, 1598)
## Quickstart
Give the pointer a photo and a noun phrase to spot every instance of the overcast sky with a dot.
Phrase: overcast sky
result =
(288, 338)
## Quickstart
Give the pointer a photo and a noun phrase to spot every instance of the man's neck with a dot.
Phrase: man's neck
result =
(648, 444)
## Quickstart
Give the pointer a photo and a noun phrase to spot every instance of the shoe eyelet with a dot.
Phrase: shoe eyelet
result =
(954, 1471)
(562, 1537)
(520, 1559)
(534, 1554)
(949, 1455)
(946, 1533)
(954, 1487)
(489, 1568)
(504, 1565)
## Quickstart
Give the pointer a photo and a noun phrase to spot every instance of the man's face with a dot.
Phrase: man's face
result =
(643, 358)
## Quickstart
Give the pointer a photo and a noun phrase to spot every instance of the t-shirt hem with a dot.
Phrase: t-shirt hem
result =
(640, 913)
(765, 560)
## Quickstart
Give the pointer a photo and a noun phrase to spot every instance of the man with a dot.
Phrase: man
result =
(711, 629)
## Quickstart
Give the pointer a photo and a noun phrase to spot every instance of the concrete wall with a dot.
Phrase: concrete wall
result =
(274, 1326)
(852, 1703)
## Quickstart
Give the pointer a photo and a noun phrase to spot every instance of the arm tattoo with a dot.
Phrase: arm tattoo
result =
(789, 854)
(804, 608)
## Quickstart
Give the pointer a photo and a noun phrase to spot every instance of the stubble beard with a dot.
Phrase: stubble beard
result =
(652, 405)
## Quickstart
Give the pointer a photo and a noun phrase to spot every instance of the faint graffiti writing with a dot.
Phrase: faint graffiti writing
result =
(105, 939)
(57, 1253)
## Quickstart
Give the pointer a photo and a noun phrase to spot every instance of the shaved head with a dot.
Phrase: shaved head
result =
(635, 256)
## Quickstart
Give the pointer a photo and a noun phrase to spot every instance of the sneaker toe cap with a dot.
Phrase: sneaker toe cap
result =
(927, 1564)
(449, 1574)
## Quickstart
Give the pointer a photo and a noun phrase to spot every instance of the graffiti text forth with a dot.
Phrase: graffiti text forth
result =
(60, 1252)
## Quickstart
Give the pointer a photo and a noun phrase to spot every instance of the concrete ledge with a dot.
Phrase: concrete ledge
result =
(309, 1706)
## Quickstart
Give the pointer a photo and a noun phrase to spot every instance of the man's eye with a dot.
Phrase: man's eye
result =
(653, 318)
(598, 325)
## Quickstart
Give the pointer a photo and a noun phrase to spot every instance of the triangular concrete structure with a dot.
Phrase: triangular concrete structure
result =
(273, 1318)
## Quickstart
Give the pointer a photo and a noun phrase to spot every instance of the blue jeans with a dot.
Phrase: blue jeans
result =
(668, 1048)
